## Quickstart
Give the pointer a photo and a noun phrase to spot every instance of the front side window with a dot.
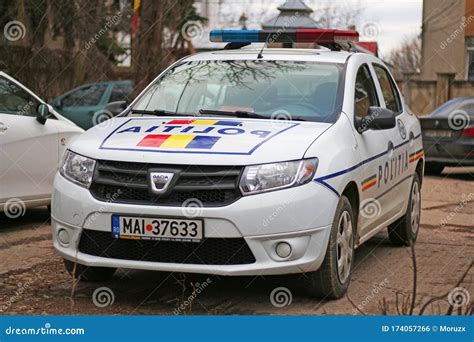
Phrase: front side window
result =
(300, 90)
(15, 100)
(365, 95)
(389, 92)
(85, 96)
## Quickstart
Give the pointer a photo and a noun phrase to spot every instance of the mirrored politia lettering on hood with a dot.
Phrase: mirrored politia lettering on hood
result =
(194, 136)
(195, 130)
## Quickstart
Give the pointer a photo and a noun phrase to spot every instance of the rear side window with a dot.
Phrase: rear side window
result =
(121, 92)
(85, 96)
(389, 91)
(365, 95)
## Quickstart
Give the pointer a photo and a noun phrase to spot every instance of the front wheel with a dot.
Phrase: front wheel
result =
(332, 279)
(404, 231)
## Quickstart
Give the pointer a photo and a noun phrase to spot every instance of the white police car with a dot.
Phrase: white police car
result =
(246, 162)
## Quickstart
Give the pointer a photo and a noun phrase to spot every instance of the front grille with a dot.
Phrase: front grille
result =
(125, 182)
(210, 251)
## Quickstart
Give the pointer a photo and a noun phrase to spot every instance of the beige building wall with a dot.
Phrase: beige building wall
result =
(443, 39)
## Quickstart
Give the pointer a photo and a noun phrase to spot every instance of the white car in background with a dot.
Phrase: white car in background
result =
(33, 138)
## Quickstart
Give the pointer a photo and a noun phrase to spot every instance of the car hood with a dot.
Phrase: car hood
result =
(211, 140)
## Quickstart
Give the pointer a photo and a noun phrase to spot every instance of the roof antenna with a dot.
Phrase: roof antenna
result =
(260, 55)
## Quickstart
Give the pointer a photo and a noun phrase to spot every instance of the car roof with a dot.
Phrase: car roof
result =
(287, 54)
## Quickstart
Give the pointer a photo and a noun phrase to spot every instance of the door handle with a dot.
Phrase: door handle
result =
(390, 146)
(3, 128)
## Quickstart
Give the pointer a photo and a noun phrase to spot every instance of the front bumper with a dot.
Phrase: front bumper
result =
(300, 216)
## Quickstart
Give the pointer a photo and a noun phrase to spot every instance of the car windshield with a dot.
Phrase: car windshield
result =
(271, 89)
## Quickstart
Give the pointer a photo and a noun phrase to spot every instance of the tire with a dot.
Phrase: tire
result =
(433, 168)
(404, 231)
(88, 273)
(331, 280)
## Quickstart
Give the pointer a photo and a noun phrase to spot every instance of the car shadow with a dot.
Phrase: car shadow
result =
(25, 219)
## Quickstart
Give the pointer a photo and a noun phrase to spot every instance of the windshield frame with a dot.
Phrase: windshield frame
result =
(332, 118)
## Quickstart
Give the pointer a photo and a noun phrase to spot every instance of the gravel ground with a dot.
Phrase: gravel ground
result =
(33, 279)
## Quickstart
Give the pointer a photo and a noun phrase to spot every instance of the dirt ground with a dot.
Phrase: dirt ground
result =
(33, 279)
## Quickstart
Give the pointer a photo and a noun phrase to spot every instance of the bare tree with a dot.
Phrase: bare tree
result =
(406, 58)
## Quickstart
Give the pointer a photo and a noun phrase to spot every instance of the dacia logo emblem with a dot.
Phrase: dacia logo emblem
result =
(160, 181)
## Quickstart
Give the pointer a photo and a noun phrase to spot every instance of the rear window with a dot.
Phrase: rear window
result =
(302, 90)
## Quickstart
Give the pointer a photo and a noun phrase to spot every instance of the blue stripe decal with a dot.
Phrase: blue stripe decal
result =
(322, 179)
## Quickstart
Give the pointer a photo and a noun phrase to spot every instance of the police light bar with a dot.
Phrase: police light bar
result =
(321, 37)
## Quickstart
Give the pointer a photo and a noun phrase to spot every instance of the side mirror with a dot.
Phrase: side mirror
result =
(116, 107)
(43, 112)
(377, 118)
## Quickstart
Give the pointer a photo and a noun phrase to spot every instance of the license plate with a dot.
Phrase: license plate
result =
(438, 133)
(156, 228)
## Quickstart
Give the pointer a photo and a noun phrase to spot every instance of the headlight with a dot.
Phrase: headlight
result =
(265, 177)
(77, 168)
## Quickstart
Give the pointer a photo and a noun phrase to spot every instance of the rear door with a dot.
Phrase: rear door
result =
(28, 149)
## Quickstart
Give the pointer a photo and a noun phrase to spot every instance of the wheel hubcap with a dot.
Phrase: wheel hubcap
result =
(344, 246)
(415, 207)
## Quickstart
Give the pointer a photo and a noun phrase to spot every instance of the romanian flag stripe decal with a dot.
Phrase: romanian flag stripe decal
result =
(178, 141)
(204, 122)
(415, 156)
(369, 182)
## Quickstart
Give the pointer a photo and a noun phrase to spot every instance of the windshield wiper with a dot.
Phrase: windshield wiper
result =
(237, 113)
(156, 112)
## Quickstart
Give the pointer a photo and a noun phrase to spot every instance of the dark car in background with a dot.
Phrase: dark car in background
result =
(448, 135)
(86, 104)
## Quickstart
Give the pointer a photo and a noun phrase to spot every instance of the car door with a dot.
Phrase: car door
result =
(28, 149)
(396, 179)
(81, 104)
(372, 146)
